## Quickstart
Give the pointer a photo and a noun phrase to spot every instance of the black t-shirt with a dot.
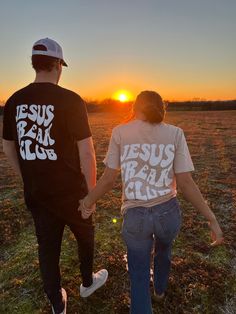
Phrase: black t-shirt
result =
(46, 121)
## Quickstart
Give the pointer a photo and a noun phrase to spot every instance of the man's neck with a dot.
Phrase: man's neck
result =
(46, 77)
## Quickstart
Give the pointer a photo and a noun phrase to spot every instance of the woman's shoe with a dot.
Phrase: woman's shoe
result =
(158, 297)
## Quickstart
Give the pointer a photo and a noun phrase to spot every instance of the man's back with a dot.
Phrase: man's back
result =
(47, 140)
(46, 121)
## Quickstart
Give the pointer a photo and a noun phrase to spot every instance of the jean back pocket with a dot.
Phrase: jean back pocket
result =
(170, 221)
(134, 220)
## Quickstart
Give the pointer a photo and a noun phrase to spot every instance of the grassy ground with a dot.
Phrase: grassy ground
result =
(203, 279)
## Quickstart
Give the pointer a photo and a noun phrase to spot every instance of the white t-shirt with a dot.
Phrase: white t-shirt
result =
(148, 155)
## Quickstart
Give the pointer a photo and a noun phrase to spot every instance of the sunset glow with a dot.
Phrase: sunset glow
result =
(122, 96)
(187, 60)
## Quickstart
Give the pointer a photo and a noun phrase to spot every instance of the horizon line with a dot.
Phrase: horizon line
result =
(99, 102)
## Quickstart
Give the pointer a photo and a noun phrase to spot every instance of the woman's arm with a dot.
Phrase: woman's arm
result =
(104, 184)
(192, 194)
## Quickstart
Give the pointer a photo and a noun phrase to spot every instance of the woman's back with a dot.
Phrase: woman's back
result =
(148, 155)
(152, 156)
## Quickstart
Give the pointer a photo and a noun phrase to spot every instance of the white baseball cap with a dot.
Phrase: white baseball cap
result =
(48, 47)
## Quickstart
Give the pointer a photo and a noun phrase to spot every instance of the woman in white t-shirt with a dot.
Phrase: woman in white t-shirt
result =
(153, 157)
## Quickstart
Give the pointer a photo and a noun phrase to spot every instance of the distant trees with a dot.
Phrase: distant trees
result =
(108, 105)
(1, 107)
(202, 105)
(111, 105)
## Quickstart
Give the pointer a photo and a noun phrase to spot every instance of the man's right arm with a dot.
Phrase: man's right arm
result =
(9, 149)
(88, 161)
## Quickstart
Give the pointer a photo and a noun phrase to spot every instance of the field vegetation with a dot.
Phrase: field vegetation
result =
(203, 279)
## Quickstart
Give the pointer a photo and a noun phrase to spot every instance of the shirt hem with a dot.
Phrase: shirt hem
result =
(124, 207)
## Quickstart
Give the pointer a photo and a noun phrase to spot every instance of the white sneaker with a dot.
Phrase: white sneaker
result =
(64, 298)
(98, 280)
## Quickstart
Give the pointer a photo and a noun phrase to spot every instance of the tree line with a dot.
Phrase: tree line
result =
(110, 105)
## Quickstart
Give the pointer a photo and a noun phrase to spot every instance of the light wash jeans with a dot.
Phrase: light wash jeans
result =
(143, 227)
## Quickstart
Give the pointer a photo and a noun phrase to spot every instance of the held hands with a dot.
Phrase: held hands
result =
(216, 233)
(85, 211)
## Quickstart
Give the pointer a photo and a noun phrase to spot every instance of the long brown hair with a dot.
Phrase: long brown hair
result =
(151, 105)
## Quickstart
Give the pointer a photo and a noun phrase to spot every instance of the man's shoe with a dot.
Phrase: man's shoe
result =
(98, 280)
(64, 300)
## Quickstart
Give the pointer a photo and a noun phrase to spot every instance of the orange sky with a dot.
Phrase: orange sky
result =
(182, 49)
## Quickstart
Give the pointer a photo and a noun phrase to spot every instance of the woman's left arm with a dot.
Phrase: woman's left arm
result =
(104, 184)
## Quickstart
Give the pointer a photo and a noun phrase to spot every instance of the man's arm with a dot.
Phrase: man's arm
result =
(88, 161)
(192, 194)
(9, 149)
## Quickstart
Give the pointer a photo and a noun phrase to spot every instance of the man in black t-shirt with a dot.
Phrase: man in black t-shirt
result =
(47, 139)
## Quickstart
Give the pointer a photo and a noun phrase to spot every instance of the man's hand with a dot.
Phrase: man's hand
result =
(216, 233)
(85, 211)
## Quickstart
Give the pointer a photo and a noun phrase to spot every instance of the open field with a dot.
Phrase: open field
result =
(203, 279)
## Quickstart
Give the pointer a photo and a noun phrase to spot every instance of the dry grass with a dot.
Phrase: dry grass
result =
(203, 279)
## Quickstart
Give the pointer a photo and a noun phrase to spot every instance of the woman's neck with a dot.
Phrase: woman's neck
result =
(139, 116)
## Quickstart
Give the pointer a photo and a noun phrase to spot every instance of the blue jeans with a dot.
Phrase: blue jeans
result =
(143, 227)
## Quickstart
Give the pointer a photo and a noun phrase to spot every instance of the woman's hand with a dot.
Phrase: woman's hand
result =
(104, 184)
(85, 211)
(216, 233)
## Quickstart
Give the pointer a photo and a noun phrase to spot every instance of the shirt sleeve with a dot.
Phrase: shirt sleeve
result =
(9, 125)
(78, 123)
(182, 159)
(112, 159)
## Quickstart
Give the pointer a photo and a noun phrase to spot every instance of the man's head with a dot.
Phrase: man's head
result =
(47, 58)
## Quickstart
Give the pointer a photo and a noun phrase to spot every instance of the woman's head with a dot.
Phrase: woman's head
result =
(150, 105)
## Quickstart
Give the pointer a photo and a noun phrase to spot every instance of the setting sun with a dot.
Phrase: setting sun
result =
(122, 96)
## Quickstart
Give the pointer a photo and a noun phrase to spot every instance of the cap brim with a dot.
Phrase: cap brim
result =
(64, 64)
